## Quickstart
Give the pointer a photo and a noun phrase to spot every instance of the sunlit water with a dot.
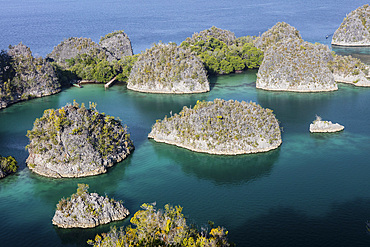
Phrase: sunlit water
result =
(312, 191)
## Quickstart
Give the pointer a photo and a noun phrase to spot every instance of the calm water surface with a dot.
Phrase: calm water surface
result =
(312, 191)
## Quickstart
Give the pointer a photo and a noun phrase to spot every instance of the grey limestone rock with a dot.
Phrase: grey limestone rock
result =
(320, 126)
(87, 210)
(74, 141)
(347, 69)
(220, 127)
(117, 43)
(167, 68)
(73, 47)
(296, 65)
(8, 165)
(281, 31)
(355, 29)
(25, 76)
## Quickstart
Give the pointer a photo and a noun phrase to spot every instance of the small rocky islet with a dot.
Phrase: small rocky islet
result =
(321, 126)
(75, 141)
(220, 127)
(355, 29)
(8, 165)
(87, 210)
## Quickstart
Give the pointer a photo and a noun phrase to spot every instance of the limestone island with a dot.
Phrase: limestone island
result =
(8, 165)
(320, 126)
(112, 46)
(87, 210)
(167, 68)
(281, 31)
(355, 29)
(297, 66)
(74, 141)
(24, 77)
(347, 69)
(220, 127)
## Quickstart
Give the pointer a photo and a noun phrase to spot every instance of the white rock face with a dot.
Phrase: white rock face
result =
(221, 127)
(88, 211)
(297, 66)
(354, 30)
(168, 69)
(319, 126)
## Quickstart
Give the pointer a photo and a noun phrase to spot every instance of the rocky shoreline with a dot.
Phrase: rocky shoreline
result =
(87, 210)
(320, 126)
(220, 127)
(74, 141)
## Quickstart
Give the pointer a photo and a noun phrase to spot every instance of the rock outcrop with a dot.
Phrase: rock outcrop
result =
(24, 77)
(220, 127)
(87, 210)
(225, 36)
(320, 126)
(296, 65)
(74, 141)
(73, 47)
(117, 43)
(8, 165)
(347, 69)
(167, 68)
(355, 29)
(281, 31)
(112, 46)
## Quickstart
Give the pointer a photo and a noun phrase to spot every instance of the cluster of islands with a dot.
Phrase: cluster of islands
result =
(78, 141)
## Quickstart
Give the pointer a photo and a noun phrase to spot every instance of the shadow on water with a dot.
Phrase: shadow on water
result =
(52, 190)
(294, 108)
(220, 169)
(344, 225)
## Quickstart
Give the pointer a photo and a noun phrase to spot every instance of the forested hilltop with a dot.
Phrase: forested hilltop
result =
(23, 76)
(222, 53)
(157, 227)
(220, 127)
(75, 141)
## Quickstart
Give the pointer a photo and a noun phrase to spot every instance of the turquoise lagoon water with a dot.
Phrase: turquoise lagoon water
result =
(312, 191)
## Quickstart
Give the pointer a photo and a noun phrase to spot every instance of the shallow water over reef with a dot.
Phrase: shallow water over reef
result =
(313, 190)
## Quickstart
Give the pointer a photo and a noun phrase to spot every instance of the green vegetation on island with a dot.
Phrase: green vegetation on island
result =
(347, 69)
(220, 127)
(23, 76)
(74, 141)
(222, 53)
(168, 227)
(355, 28)
(8, 165)
(167, 68)
(87, 210)
(82, 58)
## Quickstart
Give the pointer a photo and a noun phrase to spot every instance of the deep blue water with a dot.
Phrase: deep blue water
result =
(312, 191)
